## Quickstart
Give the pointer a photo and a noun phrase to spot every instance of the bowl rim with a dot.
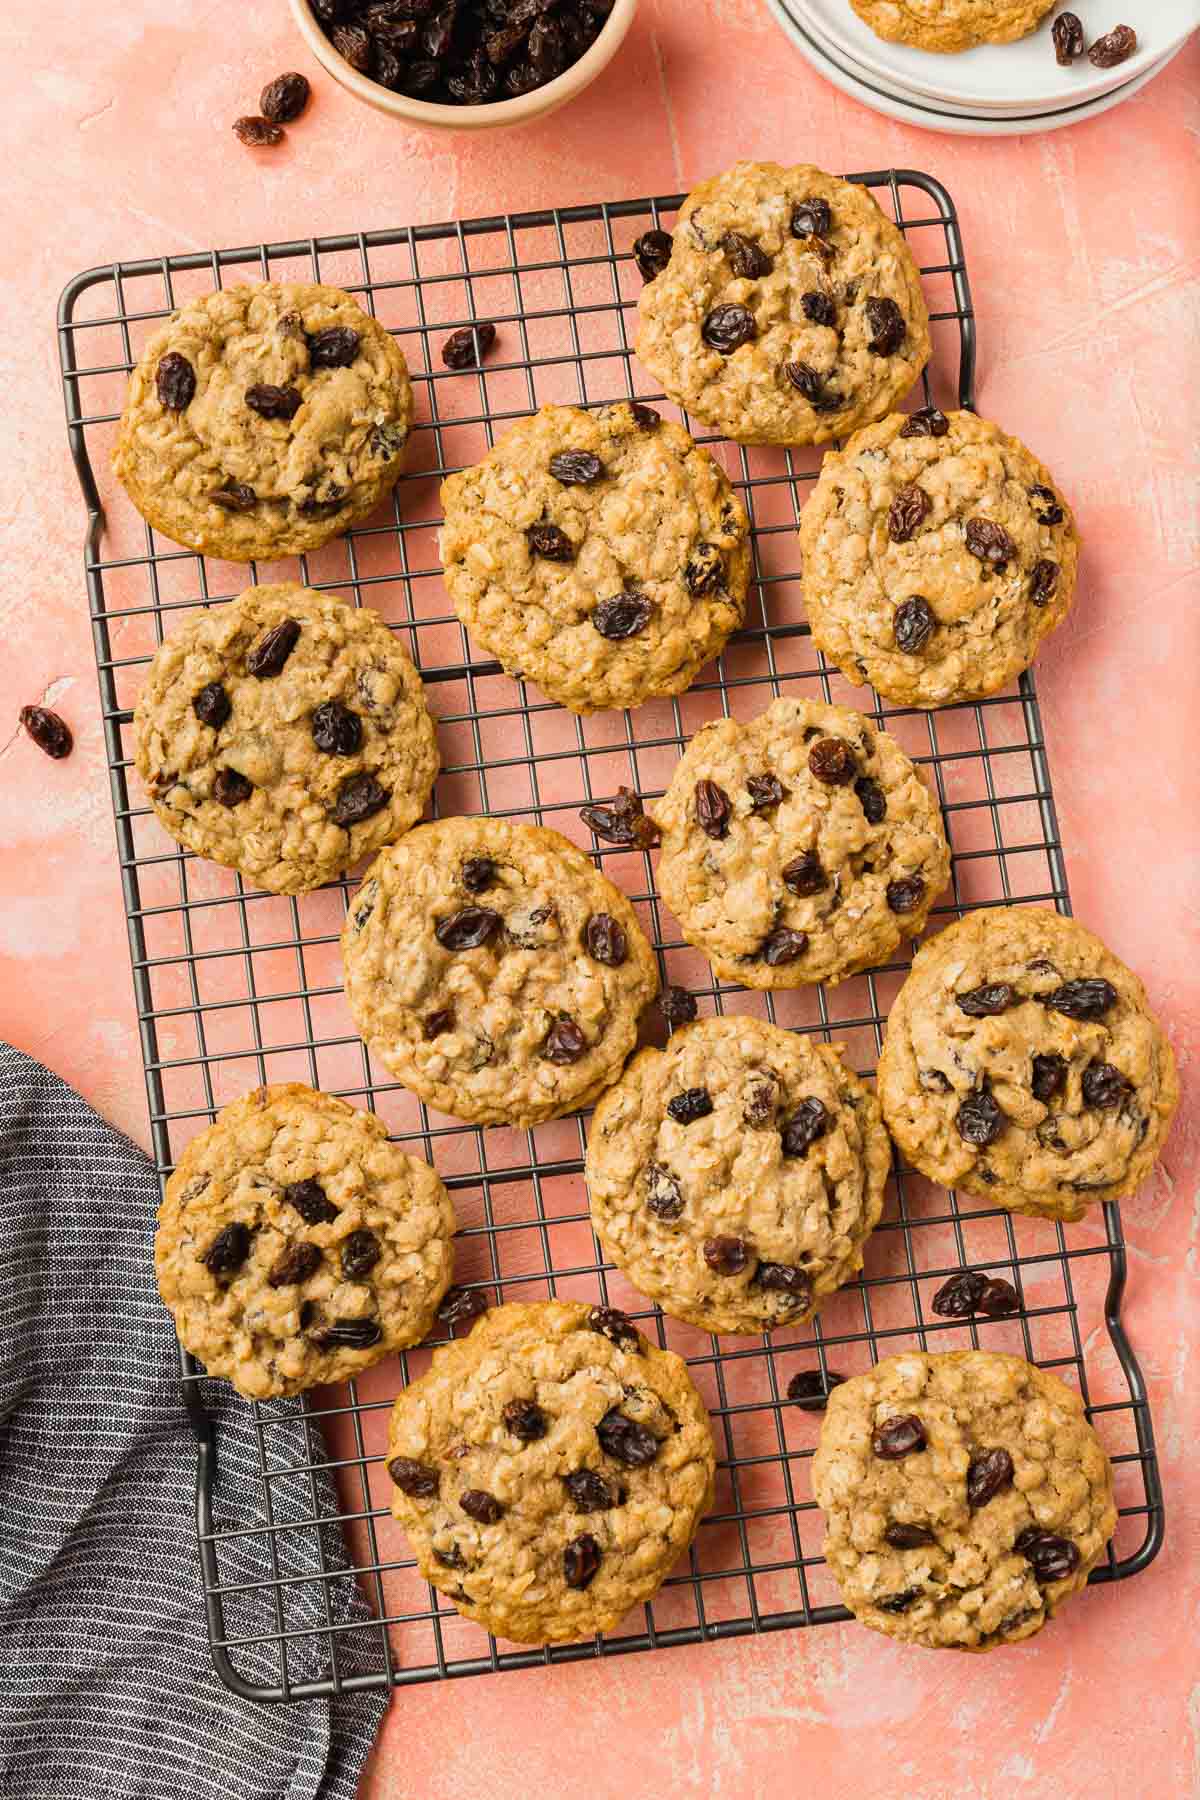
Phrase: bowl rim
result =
(515, 110)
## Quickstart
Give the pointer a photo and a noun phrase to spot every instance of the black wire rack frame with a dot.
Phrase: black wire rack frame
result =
(235, 988)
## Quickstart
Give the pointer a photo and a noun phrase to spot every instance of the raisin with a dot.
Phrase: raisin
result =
(907, 513)
(606, 941)
(459, 1305)
(1089, 998)
(806, 381)
(997, 1299)
(766, 792)
(705, 570)
(625, 821)
(256, 132)
(1053, 1558)
(1043, 580)
(230, 787)
(1049, 1076)
(581, 1560)
(748, 260)
(811, 218)
(235, 496)
(898, 1603)
(831, 760)
(273, 402)
(888, 329)
(899, 1437)
(308, 1198)
(809, 1389)
(1068, 39)
(652, 253)
(474, 84)
(625, 1440)
(285, 98)
(1105, 1087)
(622, 615)
(783, 946)
(348, 1334)
(336, 730)
(435, 1023)
(228, 1250)
(360, 1252)
(591, 1492)
(175, 381)
(645, 417)
(483, 1507)
(984, 1002)
(478, 874)
(990, 543)
(784, 1278)
(1106, 53)
(726, 328)
(956, 1298)
(576, 468)
(616, 1326)
(334, 348)
(810, 1121)
(713, 809)
(905, 894)
(726, 1255)
(818, 308)
(760, 1108)
(872, 799)
(451, 1558)
(212, 705)
(1053, 512)
(467, 347)
(979, 1119)
(52, 734)
(912, 624)
(294, 1265)
(548, 541)
(934, 1082)
(664, 1198)
(353, 42)
(927, 421)
(565, 1042)
(416, 1479)
(804, 874)
(359, 798)
(692, 1104)
(468, 929)
(987, 1474)
(271, 652)
(677, 1006)
(526, 1420)
(908, 1537)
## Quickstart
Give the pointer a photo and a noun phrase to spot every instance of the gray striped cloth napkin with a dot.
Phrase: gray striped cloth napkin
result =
(107, 1689)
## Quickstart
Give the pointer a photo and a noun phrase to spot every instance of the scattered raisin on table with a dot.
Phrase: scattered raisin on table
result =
(1068, 39)
(467, 347)
(256, 132)
(48, 731)
(623, 821)
(1113, 48)
(677, 1006)
(810, 1390)
(285, 98)
(956, 1298)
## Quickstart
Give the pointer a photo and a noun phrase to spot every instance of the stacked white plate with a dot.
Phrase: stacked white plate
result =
(997, 90)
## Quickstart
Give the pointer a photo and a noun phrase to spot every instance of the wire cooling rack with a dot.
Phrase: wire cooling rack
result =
(236, 988)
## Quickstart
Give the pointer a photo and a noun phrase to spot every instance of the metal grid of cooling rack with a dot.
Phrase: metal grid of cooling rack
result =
(235, 987)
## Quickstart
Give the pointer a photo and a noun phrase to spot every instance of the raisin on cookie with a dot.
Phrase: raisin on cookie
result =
(938, 553)
(736, 1175)
(790, 311)
(285, 734)
(550, 1469)
(965, 1495)
(296, 1245)
(951, 25)
(1022, 1063)
(263, 421)
(494, 971)
(799, 846)
(602, 554)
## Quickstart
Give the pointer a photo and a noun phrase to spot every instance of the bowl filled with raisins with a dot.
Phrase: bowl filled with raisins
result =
(464, 65)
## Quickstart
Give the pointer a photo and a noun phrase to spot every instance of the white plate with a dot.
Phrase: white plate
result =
(928, 118)
(1025, 73)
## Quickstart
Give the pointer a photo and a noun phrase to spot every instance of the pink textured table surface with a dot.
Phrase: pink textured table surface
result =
(1082, 248)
